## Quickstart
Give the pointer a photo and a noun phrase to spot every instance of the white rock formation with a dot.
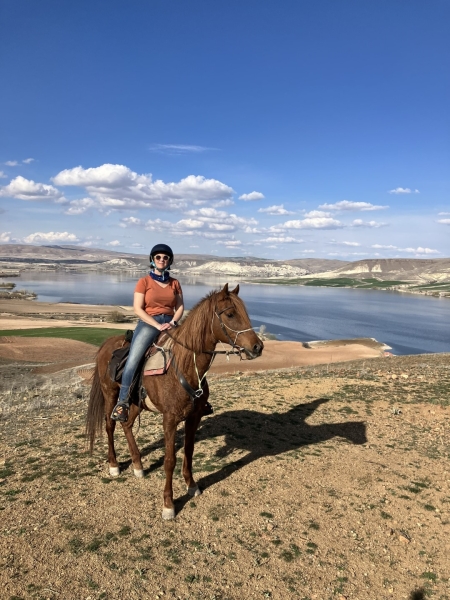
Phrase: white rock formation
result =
(257, 270)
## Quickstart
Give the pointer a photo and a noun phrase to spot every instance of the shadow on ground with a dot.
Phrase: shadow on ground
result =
(417, 594)
(261, 435)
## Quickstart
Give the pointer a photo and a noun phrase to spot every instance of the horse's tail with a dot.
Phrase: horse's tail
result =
(96, 410)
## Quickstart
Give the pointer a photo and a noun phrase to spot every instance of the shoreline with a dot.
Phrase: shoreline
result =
(444, 294)
(19, 315)
(33, 314)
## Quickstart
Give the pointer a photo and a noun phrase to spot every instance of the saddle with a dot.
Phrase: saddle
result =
(158, 356)
(119, 357)
(156, 360)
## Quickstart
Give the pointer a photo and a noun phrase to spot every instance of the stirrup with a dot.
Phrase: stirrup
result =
(120, 412)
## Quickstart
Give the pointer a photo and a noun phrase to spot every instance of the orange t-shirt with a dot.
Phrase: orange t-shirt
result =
(158, 300)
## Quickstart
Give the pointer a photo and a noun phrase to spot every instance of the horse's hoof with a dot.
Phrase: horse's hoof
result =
(194, 491)
(139, 473)
(168, 514)
(114, 471)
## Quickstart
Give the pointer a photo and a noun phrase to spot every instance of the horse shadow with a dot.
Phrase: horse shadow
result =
(261, 434)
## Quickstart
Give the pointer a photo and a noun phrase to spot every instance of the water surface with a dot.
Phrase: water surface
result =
(410, 324)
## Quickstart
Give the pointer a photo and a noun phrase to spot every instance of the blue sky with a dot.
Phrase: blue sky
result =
(275, 129)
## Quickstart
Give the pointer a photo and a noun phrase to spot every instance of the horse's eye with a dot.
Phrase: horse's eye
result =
(230, 315)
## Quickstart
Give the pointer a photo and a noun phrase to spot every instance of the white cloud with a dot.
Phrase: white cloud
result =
(275, 210)
(190, 224)
(347, 254)
(313, 223)
(114, 243)
(317, 213)
(205, 222)
(401, 190)
(221, 227)
(281, 240)
(5, 237)
(178, 148)
(27, 189)
(441, 214)
(252, 197)
(350, 244)
(416, 251)
(185, 227)
(12, 163)
(194, 246)
(230, 243)
(419, 250)
(276, 229)
(444, 221)
(118, 187)
(221, 203)
(211, 216)
(354, 206)
(3, 175)
(131, 222)
(361, 223)
(214, 236)
(51, 236)
(27, 161)
(78, 207)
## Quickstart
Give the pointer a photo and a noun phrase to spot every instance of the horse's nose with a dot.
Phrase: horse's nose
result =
(257, 349)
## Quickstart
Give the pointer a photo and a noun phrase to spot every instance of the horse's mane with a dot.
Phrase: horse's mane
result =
(194, 330)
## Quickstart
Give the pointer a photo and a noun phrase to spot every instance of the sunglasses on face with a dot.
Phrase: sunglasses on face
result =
(163, 257)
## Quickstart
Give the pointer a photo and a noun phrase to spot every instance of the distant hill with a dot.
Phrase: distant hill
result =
(405, 269)
(53, 257)
(20, 256)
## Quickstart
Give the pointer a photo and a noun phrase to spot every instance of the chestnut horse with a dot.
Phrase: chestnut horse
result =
(220, 316)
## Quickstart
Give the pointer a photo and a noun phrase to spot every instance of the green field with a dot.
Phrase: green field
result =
(336, 282)
(437, 287)
(95, 336)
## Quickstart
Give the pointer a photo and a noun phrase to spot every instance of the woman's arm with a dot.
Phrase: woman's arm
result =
(179, 308)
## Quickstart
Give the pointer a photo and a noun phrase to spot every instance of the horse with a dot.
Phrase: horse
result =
(182, 392)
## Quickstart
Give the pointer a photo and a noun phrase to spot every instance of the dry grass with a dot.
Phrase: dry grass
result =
(319, 483)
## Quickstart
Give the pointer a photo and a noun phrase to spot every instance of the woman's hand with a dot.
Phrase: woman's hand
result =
(165, 326)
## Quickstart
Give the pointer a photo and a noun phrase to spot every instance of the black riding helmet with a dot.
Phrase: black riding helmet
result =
(161, 249)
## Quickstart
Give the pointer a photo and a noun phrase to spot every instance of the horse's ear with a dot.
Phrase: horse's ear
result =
(236, 290)
(224, 292)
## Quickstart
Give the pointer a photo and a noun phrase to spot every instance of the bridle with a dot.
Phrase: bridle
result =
(196, 394)
(224, 328)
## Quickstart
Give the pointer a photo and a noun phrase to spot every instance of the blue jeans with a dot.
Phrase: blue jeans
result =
(144, 335)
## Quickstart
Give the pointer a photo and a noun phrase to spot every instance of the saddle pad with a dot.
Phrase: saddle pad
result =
(159, 359)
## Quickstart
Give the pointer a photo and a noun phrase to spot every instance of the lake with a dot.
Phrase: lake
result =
(410, 324)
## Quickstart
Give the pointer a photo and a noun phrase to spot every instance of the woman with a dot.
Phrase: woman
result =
(158, 302)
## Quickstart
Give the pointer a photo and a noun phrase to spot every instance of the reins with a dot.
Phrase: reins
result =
(224, 328)
(195, 394)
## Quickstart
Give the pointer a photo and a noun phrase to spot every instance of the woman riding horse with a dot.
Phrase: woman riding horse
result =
(181, 394)
(158, 302)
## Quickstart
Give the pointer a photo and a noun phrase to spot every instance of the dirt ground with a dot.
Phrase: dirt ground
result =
(320, 482)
